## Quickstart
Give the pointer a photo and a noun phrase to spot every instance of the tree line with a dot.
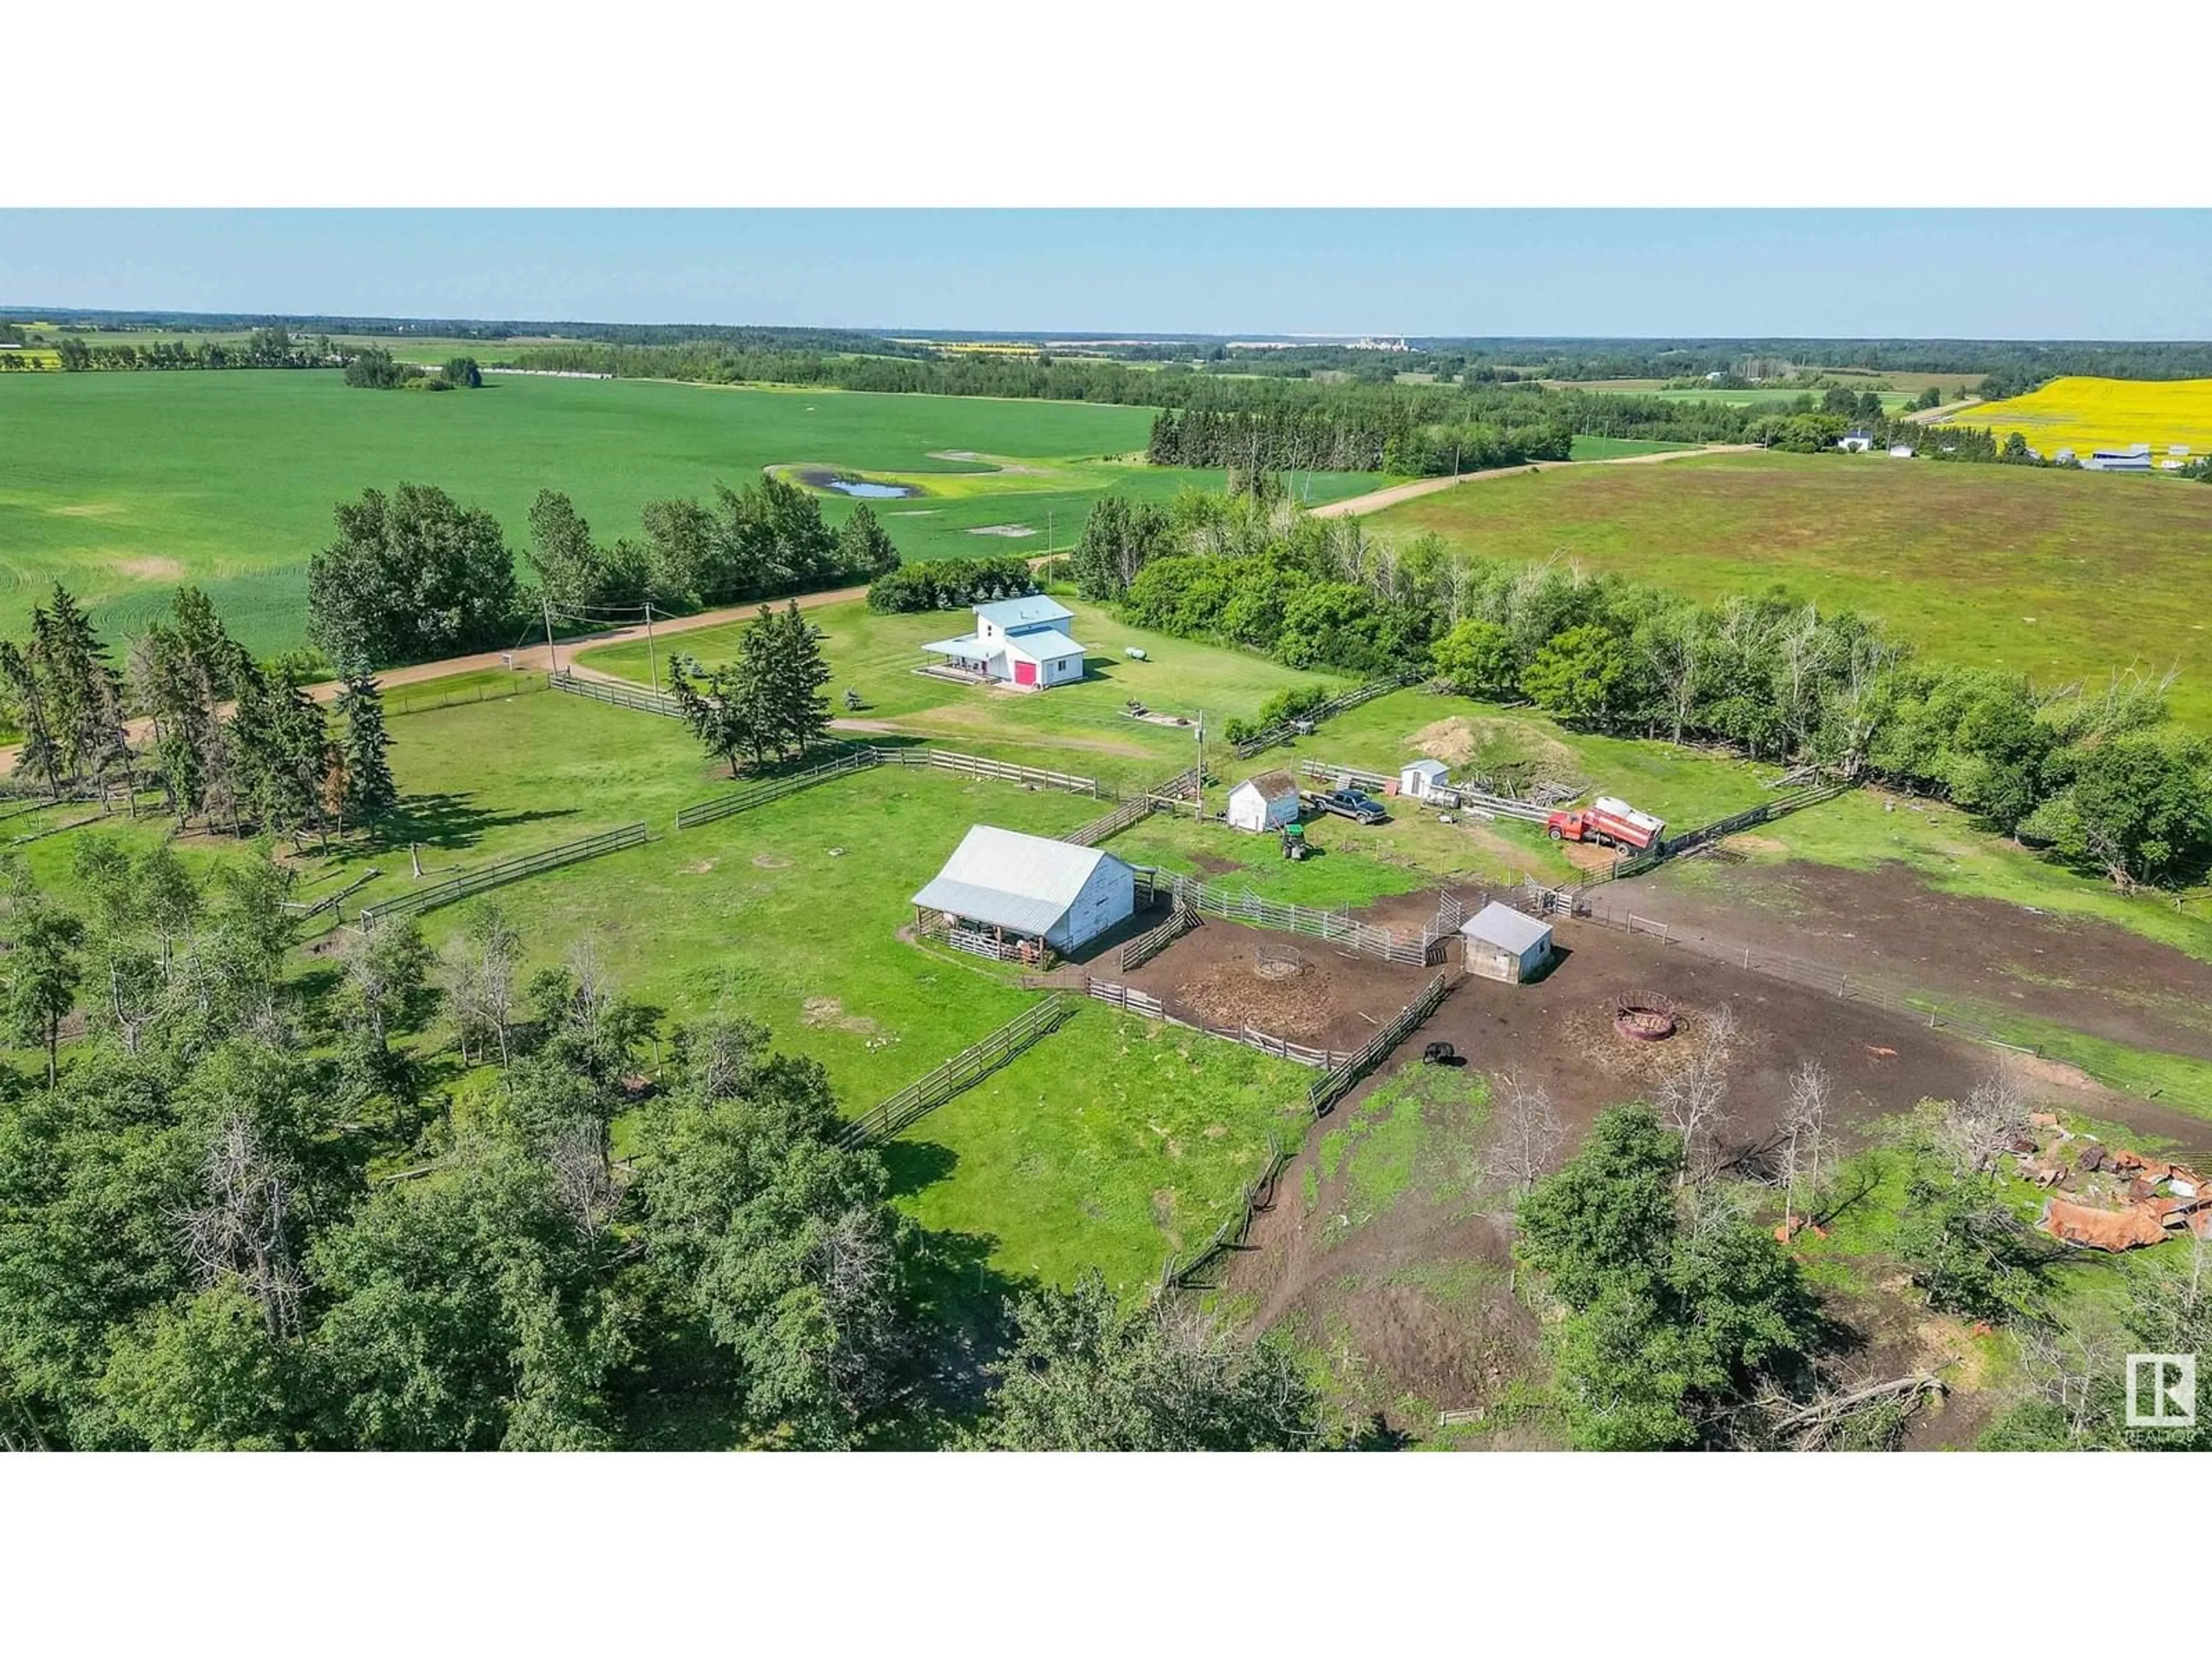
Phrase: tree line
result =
(415, 576)
(273, 347)
(232, 745)
(2096, 774)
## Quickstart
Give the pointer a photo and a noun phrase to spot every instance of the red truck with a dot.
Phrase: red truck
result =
(1609, 822)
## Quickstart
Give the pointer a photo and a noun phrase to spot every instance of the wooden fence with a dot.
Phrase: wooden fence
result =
(300, 909)
(1259, 1194)
(1128, 812)
(1284, 731)
(1341, 1079)
(397, 703)
(1147, 944)
(619, 696)
(860, 757)
(960, 1073)
(979, 766)
(1130, 1000)
(1690, 840)
(467, 885)
(760, 793)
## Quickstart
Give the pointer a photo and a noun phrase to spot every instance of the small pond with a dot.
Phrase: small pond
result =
(865, 489)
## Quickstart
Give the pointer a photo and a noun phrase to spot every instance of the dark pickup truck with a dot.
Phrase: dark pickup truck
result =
(1350, 804)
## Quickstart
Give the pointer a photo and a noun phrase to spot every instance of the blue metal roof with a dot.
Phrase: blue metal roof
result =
(1034, 612)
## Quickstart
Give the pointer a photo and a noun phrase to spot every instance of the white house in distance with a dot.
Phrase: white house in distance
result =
(1420, 779)
(1857, 440)
(1501, 943)
(1267, 801)
(1018, 643)
(1014, 889)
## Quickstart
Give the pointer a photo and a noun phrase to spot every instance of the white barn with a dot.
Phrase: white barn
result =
(1267, 801)
(1017, 641)
(1013, 888)
(1499, 942)
(1422, 778)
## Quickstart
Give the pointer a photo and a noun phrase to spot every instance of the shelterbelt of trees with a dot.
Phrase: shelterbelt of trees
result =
(2098, 778)
(415, 576)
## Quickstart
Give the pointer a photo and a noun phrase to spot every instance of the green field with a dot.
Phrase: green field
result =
(123, 485)
(2061, 575)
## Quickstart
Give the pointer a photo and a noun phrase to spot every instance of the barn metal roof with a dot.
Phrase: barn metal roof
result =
(1010, 614)
(1506, 928)
(1427, 768)
(1007, 879)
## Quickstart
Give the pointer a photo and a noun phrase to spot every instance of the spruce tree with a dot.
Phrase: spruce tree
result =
(864, 546)
(370, 791)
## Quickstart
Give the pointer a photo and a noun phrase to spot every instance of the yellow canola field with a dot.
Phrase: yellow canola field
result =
(2082, 413)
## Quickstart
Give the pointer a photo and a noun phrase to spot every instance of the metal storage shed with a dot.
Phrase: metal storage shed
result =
(1007, 885)
(1419, 779)
(1501, 943)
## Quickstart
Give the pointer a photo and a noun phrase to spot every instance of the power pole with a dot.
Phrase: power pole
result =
(652, 662)
(553, 662)
(1198, 788)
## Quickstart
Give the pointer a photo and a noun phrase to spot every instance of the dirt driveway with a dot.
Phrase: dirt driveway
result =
(1376, 500)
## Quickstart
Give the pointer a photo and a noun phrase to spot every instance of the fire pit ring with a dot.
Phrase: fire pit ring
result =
(1644, 1016)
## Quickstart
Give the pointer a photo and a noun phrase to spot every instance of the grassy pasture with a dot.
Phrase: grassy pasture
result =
(2060, 575)
(123, 485)
(1111, 1142)
(2083, 412)
(1077, 728)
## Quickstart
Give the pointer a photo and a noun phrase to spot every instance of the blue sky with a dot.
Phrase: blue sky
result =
(1985, 274)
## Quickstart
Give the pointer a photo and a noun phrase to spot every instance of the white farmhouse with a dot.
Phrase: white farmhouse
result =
(1857, 440)
(1264, 802)
(1014, 889)
(1018, 642)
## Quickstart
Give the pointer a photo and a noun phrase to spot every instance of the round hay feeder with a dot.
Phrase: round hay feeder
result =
(1644, 1017)
(1271, 960)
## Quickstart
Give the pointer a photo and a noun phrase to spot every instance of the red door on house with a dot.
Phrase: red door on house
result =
(1024, 673)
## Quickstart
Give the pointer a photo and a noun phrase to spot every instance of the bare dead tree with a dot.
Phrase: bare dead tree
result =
(241, 1232)
(585, 1184)
(480, 966)
(1528, 1134)
(2072, 1368)
(1694, 1097)
(1975, 1134)
(1811, 1089)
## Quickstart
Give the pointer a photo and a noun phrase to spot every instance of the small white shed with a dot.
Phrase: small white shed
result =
(1264, 802)
(1419, 779)
(1501, 943)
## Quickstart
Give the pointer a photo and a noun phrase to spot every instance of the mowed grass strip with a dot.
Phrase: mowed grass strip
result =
(2061, 575)
(123, 484)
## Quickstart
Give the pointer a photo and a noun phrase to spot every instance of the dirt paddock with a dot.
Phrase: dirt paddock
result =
(1222, 973)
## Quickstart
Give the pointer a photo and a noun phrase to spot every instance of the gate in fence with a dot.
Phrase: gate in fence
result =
(619, 696)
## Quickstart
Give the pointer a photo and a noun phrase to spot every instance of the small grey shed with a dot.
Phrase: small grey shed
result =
(1501, 943)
